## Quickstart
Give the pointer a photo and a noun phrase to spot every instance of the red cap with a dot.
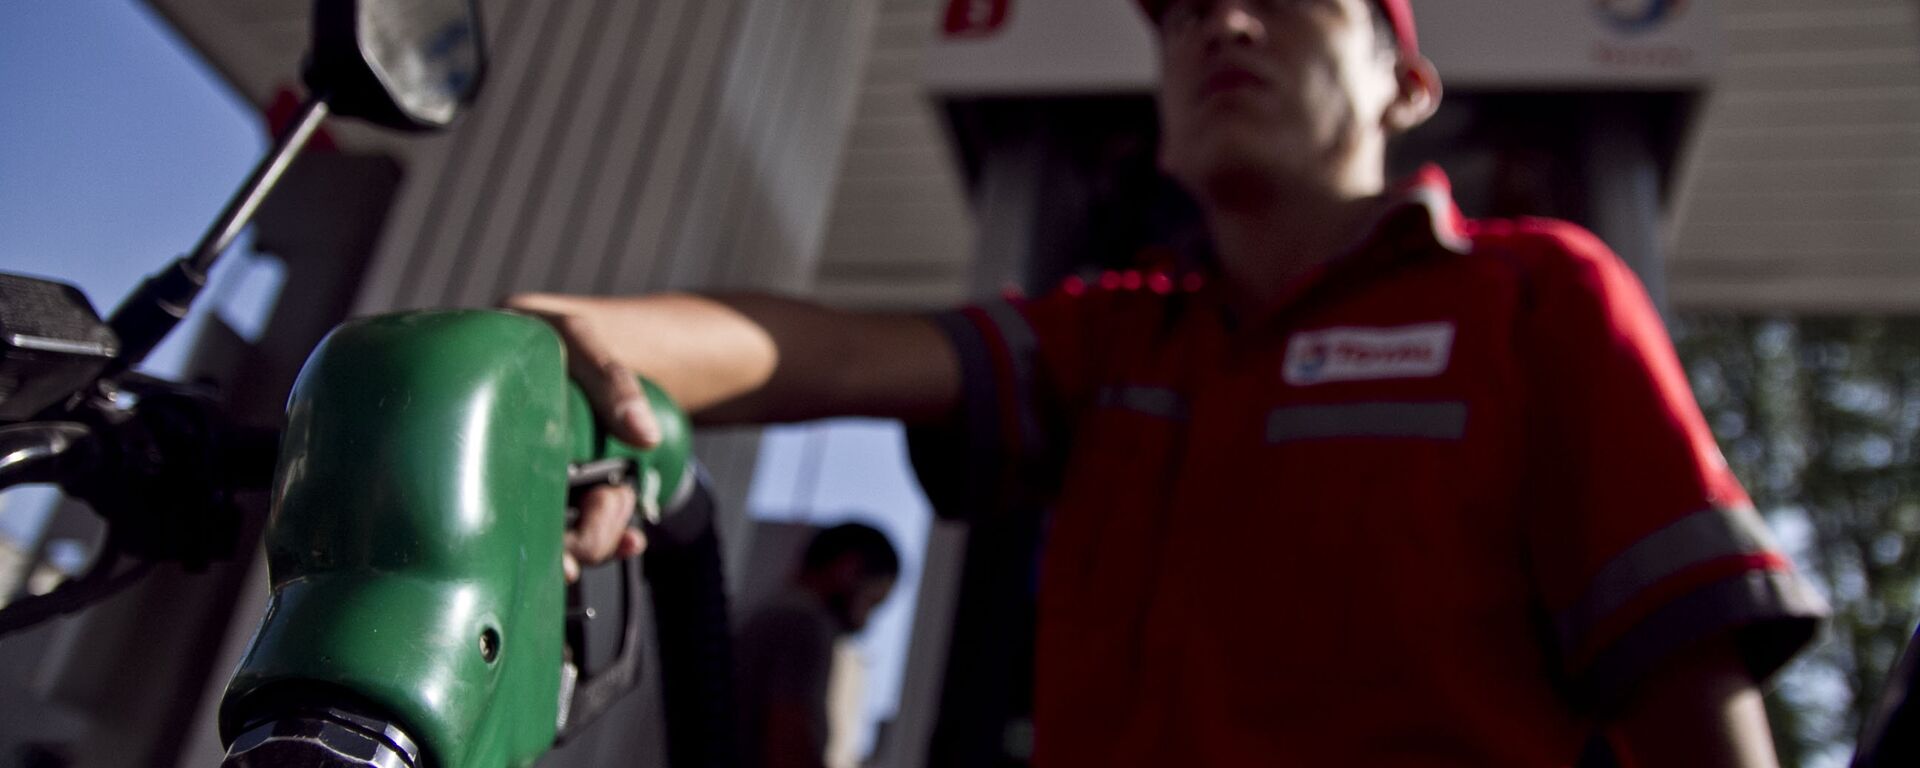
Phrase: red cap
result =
(1399, 12)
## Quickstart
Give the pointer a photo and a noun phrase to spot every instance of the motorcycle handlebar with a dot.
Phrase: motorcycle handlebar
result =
(39, 452)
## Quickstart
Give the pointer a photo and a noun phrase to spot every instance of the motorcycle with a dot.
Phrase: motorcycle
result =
(418, 614)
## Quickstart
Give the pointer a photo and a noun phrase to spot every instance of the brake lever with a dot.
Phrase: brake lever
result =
(40, 452)
(53, 452)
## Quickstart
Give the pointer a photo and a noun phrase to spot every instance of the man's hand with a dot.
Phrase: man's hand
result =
(602, 532)
(612, 388)
(744, 359)
(603, 529)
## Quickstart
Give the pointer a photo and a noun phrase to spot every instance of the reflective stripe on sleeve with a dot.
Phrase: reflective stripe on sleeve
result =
(1022, 350)
(1159, 402)
(1716, 534)
(1771, 615)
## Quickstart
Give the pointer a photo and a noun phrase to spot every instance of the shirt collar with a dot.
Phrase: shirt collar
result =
(1415, 217)
(1418, 211)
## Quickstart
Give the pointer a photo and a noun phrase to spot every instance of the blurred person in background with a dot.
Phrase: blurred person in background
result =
(1378, 486)
(784, 650)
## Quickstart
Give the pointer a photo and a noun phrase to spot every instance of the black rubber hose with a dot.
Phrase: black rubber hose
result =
(694, 636)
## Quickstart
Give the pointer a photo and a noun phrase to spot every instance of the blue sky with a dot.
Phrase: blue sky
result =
(117, 148)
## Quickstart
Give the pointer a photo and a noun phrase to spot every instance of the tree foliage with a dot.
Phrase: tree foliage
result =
(1819, 418)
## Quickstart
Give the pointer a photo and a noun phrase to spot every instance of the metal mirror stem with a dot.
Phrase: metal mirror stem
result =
(266, 175)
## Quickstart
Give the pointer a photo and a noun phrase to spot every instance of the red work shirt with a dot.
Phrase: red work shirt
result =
(1454, 498)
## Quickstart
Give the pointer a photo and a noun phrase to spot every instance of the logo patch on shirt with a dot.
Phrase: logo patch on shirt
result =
(1366, 354)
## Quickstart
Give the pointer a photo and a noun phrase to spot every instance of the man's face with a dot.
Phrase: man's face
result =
(1261, 87)
(854, 606)
(852, 590)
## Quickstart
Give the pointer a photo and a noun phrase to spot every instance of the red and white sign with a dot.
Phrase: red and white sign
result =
(975, 18)
(1368, 354)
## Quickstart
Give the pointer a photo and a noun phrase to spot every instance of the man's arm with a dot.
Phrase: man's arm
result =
(753, 359)
(1699, 708)
(735, 359)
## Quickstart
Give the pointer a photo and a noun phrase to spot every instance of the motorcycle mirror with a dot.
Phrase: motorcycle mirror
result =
(406, 64)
